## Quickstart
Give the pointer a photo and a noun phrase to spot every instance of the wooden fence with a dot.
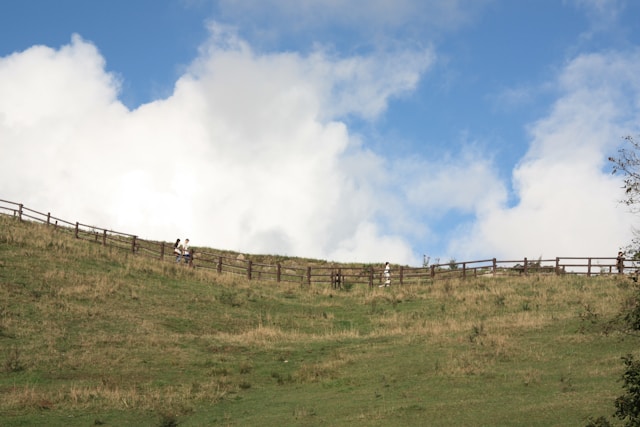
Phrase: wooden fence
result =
(337, 276)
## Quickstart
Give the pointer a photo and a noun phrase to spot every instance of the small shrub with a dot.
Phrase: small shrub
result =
(168, 420)
(589, 314)
(299, 413)
(567, 383)
(628, 405)
(632, 318)
(219, 371)
(245, 368)
(13, 362)
(282, 379)
(231, 298)
(476, 332)
(587, 318)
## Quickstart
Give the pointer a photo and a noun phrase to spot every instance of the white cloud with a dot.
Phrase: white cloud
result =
(359, 85)
(248, 153)
(251, 152)
(604, 17)
(464, 182)
(567, 196)
(602, 13)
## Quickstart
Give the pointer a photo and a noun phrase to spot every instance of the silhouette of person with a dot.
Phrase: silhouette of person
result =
(620, 262)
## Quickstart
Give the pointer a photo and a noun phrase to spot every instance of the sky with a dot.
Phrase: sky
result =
(343, 130)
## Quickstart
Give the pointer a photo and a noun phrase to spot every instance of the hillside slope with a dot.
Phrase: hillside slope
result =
(93, 336)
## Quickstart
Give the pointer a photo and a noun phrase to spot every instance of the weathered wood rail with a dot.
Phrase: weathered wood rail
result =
(337, 275)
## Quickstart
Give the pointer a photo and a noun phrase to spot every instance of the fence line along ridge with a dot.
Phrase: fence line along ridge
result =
(333, 274)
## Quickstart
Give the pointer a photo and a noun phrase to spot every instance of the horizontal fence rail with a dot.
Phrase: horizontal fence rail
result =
(337, 276)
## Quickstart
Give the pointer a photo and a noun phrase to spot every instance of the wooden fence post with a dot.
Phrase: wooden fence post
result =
(77, 226)
(104, 237)
(495, 267)
(162, 250)
(20, 212)
(48, 218)
(557, 266)
(278, 272)
(464, 270)
(371, 277)
(133, 244)
(401, 274)
(433, 271)
(249, 264)
(220, 264)
(309, 275)
(589, 267)
(525, 265)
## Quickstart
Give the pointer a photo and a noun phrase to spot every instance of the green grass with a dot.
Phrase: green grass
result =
(92, 336)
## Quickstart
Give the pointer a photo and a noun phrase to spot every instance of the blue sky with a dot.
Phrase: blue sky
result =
(344, 130)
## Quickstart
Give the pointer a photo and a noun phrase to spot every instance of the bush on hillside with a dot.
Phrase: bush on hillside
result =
(628, 405)
(632, 317)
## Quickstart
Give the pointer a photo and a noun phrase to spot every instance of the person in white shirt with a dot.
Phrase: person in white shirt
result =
(185, 251)
(387, 275)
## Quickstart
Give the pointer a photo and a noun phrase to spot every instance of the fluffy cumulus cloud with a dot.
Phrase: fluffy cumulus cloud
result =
(252, 151)
(567, 198)
(248, 153)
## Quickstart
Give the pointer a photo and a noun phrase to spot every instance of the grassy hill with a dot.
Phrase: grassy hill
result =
(93, 336)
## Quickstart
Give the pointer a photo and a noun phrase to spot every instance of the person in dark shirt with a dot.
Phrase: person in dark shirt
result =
(620, 262)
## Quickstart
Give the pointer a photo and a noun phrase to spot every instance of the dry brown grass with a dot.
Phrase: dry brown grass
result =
(108, 394)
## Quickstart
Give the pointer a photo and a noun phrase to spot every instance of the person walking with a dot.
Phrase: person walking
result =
(386, 275)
